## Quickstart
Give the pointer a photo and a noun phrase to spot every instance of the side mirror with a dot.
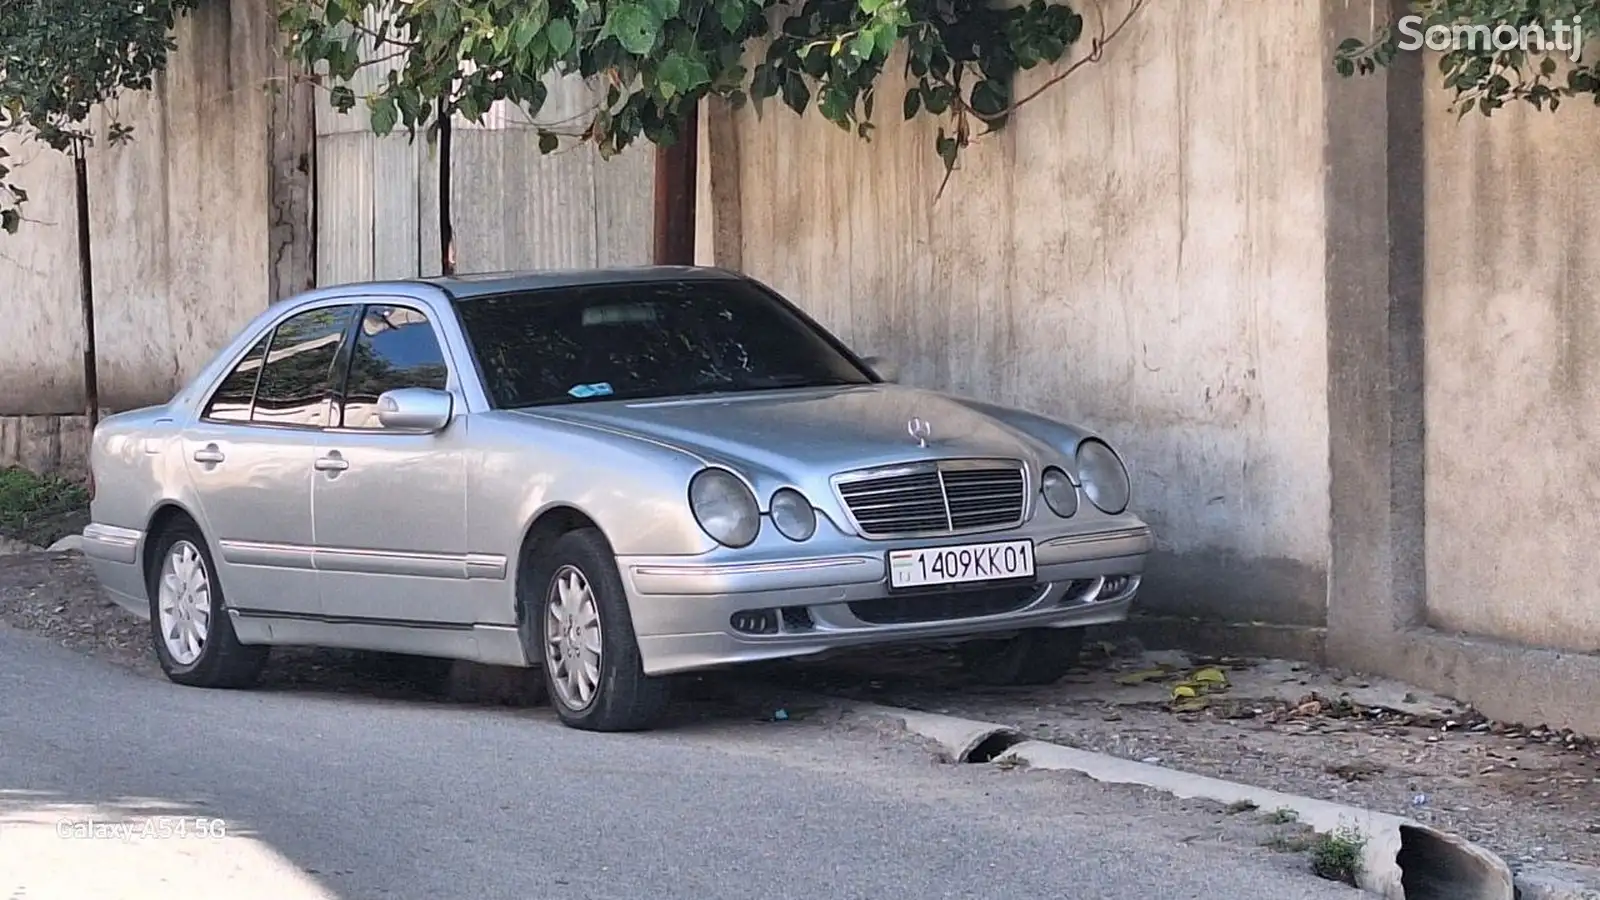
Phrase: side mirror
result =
(422, 410)
(885, 368)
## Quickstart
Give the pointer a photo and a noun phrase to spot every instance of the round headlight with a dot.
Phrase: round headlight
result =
(724, 507)
(1104, 477)
(793, 515)
(1060, 494)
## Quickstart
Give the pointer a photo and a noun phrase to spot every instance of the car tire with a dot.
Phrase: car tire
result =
(220, 660)
(1039, 656)
(604, 692)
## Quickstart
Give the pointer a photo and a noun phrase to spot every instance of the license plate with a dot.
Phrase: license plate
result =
(958, 565)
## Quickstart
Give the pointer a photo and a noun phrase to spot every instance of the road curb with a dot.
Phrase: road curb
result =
(1402, 859)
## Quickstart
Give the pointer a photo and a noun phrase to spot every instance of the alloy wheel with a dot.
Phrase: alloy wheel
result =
(572, 638)
(184, 603)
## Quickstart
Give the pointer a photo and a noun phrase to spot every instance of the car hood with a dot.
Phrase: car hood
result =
(803, 435)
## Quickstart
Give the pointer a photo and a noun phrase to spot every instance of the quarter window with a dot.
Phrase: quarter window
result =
(298, 375)
(231, 402)
(395, 348)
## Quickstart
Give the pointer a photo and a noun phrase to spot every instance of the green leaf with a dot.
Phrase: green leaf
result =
(559, 32)
(732, 14)
(990, 98)
(834, 104)
(913, 103)
(10, 221)
(384, 114)
(548, 142)
(887, 33)
(681, 74)
(636, 27)
(863, 44)
(342, 98)
(795, 92)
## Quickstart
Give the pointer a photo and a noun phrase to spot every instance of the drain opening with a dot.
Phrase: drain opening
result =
(1434, 868)
(992, 747)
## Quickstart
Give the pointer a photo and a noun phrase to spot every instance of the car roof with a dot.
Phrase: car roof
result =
(466, 287)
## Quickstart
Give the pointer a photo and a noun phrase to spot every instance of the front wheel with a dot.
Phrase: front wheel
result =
(1039, 656)
(578, 617)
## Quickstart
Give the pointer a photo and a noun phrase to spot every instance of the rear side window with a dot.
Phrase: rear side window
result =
(298, 376)
(395, 348)
(231, 402)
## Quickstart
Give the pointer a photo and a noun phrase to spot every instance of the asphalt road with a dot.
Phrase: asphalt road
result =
(351, 797)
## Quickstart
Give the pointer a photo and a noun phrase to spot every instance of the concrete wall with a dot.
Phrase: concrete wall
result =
(1141, 250)
(179, 232)
(1513, 375)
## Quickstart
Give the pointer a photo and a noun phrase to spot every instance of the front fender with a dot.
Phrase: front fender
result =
(635, 490)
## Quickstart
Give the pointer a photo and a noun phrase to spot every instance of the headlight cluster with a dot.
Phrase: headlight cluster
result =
(728, 512)
(1101, 473)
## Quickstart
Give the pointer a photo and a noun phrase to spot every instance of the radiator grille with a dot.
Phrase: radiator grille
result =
(948, 497)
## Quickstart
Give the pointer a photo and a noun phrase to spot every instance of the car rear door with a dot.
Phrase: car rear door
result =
(250, 456)
(390, 509)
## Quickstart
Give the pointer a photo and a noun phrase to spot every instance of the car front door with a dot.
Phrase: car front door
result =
(389, 508)
(250, 456)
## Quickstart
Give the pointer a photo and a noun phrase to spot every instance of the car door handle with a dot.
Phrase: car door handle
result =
(209, 454)
(333, 462)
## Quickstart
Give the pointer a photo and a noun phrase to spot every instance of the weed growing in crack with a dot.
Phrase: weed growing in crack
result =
(1282, 816)
(1336, 855)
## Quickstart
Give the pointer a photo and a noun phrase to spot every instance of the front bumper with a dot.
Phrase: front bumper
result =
(837, 596)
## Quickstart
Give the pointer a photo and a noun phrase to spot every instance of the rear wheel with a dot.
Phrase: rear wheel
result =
(189, 622)
(579, 626)
(1038, 656)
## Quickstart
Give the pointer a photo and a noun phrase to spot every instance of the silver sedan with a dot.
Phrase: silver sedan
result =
(614, 475)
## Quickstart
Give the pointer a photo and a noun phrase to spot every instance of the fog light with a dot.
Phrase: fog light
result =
(754, 621)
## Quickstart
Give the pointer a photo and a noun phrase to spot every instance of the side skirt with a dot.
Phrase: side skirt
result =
(492, 645)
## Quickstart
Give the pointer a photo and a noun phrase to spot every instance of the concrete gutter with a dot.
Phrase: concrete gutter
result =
(1558, 881)
(1402, 859)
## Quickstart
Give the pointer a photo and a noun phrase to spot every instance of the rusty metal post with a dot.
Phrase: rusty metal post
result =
(447, 230)
(91, 376)
(676, 167)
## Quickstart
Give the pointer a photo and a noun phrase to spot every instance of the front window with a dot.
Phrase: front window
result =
(646, 340)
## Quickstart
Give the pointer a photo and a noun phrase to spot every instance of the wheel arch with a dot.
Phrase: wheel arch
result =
(162, 517)
(547, 527)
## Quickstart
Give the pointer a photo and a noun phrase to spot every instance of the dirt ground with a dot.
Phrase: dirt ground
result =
(1527, 793)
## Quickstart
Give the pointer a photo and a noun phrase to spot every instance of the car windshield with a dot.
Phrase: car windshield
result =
(646, 340)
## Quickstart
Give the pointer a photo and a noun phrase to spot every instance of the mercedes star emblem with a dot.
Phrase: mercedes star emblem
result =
(921, 430)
